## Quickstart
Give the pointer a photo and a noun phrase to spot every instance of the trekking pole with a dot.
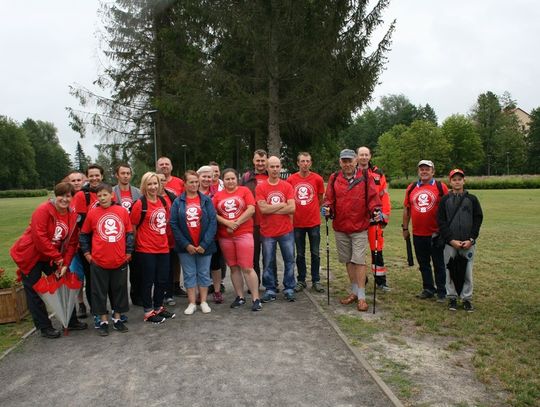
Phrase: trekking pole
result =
(327, 265)
(376, 255)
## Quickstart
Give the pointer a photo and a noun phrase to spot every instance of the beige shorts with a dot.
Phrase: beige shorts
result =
(351, 247)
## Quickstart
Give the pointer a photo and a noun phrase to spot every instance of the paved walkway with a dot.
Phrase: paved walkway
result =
(286, 355)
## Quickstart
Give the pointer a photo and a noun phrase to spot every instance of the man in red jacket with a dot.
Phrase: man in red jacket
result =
(352, 201)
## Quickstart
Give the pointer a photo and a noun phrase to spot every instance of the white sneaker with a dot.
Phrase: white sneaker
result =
(190, 309)
(169, 301)
(205, 308)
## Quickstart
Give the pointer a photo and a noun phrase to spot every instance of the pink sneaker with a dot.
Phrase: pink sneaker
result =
(218, 297)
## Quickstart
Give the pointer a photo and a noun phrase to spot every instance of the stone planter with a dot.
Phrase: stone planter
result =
(13, 305)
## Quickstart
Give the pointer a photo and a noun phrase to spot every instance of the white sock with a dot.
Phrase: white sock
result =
(361, 293)
(354, 288)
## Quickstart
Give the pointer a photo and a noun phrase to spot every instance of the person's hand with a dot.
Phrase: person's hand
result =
(325, 211)
(191, 249)
(200, 249)
(456, 244)
(61, 271)
(406, 234)
(59, 263)
(128, 257)
(88, 257)
(466, 244)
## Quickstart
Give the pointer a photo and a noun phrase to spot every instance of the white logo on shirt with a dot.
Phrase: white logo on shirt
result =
(110, 228)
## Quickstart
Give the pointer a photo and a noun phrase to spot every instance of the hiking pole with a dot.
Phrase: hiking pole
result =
(376, 255)
(327, 265)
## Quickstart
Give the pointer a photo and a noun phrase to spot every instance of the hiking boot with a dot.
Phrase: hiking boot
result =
(190, 309)
(169, 301)
(384, 288)
(452, 304)
(103, 329)
(218, 297)
(351, 298)
(205, 308)
(362, 305)
(119, 326)
(153, 317)
(289, 296)
(82, 311)
(77, 326)
(425, 294)
(300, 285)
(238, 302)
(162, 312)
(268, 297)
(316, 286)
(467, 306)
(50, 333)
(256, 305)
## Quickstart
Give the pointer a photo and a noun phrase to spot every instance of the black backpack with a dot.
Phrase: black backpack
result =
(144, 203)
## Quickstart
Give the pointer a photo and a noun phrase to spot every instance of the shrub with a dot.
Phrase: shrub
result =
(485, 182)
(23, 193)
(6, 280)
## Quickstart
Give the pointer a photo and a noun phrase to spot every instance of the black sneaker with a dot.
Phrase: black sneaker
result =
(82, 311)
(238, 302)
(256, 305)
(467, 306)
(119, 326)
(268, 297)
(162, 312)
(154, 318)
(300, 285)
(425, 294)
(77, 326)
(50, 333)
(452, 304)
(289, 296)
(103, 329)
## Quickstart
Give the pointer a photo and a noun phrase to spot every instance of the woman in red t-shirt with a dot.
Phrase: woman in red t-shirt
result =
(149, 216)
(235, 207)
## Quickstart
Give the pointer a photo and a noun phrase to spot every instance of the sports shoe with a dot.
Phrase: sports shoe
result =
(384, 288)
(268, 297)
(441, 299)
(425, 294)
(316, 286)
(162, 312)
(467, 306)
(300, 285)
(452, 304)
(205, 308)
(351, 298)
(97, 321)
(190, 309)
(50, 333)
(82, 311)
(153, 317)
(289, 296)
(103, 329)
(256, 305)
(119, 326)
(169, 301)
(123, 317)
(238, 302)
(218, 297)
(77, 326)
(362, 305)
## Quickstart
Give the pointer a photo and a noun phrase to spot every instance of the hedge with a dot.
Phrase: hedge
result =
(485, 182)
(23, 193)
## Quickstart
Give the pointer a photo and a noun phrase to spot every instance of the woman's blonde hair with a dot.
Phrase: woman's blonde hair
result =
(146, 178)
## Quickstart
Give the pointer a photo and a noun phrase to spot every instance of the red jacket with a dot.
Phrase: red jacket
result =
(35, 244)
(347, 202)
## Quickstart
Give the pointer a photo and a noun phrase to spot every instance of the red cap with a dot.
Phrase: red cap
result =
(456, 171)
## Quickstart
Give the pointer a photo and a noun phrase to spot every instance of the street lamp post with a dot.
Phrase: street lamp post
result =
(508, 163)
(184, 146)
(152, 112)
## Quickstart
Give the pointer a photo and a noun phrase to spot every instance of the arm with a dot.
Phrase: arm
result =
(288, 208)
(209, 234)
(175, 222)
(41, 236)
(406, 216)
(267, 209)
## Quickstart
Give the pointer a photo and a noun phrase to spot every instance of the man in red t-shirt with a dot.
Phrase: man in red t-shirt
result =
(421, 205)
(124, 192)
(275, 200)
(308, 192)
(172, 183)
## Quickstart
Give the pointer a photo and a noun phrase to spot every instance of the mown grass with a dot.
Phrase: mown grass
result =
(505, 329)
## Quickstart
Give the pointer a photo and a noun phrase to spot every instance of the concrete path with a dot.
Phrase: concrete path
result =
(285, 355)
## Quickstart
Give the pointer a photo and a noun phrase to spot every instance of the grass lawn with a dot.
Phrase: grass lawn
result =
(505, 329)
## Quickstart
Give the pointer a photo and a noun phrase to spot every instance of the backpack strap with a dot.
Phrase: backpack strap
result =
(144, 203)
(439, 187)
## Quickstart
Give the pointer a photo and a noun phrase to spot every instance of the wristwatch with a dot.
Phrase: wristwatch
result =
(403, 227)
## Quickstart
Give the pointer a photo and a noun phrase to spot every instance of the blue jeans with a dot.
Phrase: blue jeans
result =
(425, 254)
(196, 269)
(314, 236)
(286, 246)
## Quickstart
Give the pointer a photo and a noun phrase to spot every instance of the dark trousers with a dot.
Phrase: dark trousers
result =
(425, 254)
(379, 261)
(112, 282)
(36, 306)
(135, 281)
(155, 274)
(169, 287)
(87, 279)
(314, 236)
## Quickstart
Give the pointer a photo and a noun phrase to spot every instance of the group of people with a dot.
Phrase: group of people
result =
(196, 225)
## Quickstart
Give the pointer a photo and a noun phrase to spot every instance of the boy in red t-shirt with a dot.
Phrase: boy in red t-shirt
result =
(106, 240)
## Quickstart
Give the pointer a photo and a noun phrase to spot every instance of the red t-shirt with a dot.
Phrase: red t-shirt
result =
(108, 227)
(79, 202)
(127, 199)
(61, 229)
(175, 185)
(260, 179)
(152, 232)
(231, 205)
(423, 204)
(193, 218)
(306, 198)
(274, 225)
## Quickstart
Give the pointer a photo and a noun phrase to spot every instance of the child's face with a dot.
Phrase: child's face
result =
(457, 182)
(105, 198)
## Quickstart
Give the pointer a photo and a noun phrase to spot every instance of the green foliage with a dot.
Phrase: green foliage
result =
(389, 154)
(509, 152)
(23, 193)
(533, 164)
(466, 152)
(6, 280)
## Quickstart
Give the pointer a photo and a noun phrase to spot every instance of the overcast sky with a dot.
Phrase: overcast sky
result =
(444, 53)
